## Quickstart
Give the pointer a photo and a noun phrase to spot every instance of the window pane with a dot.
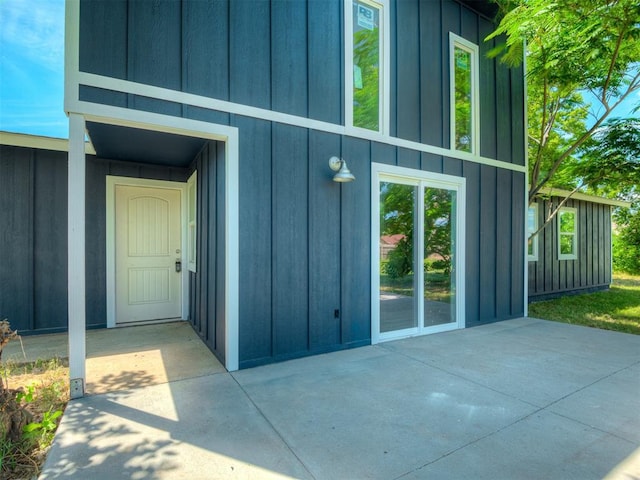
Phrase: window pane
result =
(567, 222)
(366, 66)
(192, 243)
(531, 220)
(566, 244)
(439, 260)
(397, 219)
(532, 226)
(463, 110)
(192, 202)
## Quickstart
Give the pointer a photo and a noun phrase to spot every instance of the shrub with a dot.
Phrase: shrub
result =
(400, 260)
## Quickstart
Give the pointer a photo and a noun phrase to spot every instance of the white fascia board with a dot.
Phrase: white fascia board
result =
(34, 141)
(125, 117)
(557, 192)
(40, 142)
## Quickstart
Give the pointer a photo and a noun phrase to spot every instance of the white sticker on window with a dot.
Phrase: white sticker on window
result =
(365, 17)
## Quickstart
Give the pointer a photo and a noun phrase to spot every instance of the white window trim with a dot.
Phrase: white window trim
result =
(384, 97)
(192, 223)
(534, 240)
(574, 255)
(382, 172)
(472, 48)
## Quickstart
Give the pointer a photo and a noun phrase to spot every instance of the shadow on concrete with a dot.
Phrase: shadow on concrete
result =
(519, 399)
(122, 380)
(124, 459)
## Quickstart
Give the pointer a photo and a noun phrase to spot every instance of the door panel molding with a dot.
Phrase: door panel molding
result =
(112, 182)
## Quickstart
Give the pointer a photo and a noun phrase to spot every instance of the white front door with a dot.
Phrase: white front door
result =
(148, 252)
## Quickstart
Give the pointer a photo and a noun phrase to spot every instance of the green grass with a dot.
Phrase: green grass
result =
(41, 389)
(615, 309)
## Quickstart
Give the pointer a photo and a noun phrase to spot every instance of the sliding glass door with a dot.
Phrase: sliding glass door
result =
(439, 260)
(417, 269)
(398, 305)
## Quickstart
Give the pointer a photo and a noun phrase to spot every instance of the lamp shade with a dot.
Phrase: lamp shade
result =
(344, 174)
(340, 166)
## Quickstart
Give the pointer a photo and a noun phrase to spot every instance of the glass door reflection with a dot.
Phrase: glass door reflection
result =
(439, 259)
(417, 257)
(397, 279)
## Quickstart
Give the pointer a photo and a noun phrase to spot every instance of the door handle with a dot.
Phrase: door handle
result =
(178, 266)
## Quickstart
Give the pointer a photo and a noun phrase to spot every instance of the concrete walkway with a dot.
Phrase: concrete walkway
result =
(522, 399)
(129, 357)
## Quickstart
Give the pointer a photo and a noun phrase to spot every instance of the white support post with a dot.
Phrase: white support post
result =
(76, 255)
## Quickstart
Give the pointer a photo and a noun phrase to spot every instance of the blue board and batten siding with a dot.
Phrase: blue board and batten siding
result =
(207, 284)
(287, 56)
(33, 238)
(550, 277)
(304, 271)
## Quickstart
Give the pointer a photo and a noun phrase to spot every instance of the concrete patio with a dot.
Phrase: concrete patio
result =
(521, 399)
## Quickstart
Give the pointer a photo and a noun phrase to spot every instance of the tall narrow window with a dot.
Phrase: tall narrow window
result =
(366, 71)
(532, 227)
(464, 95)
(192, 202)
(567, 234)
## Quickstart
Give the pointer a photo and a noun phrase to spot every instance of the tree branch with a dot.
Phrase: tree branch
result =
(538, 161)
(554, 212)
(537, 186)
(612, 64)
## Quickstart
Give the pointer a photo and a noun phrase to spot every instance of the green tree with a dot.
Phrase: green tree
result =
(626, 240)
(397, 211)
(366, 97)
(610, 161)
(462, 95)
(610, 165)
(397, 203)
(574, 48)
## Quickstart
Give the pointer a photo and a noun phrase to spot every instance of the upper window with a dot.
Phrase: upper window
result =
(366, 72)
(464, 95)
(567, 234)
(192, 202)
(532, 227)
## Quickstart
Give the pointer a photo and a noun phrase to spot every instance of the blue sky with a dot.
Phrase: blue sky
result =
(32, 67)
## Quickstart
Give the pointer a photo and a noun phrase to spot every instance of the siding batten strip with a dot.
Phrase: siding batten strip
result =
(76, 255)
